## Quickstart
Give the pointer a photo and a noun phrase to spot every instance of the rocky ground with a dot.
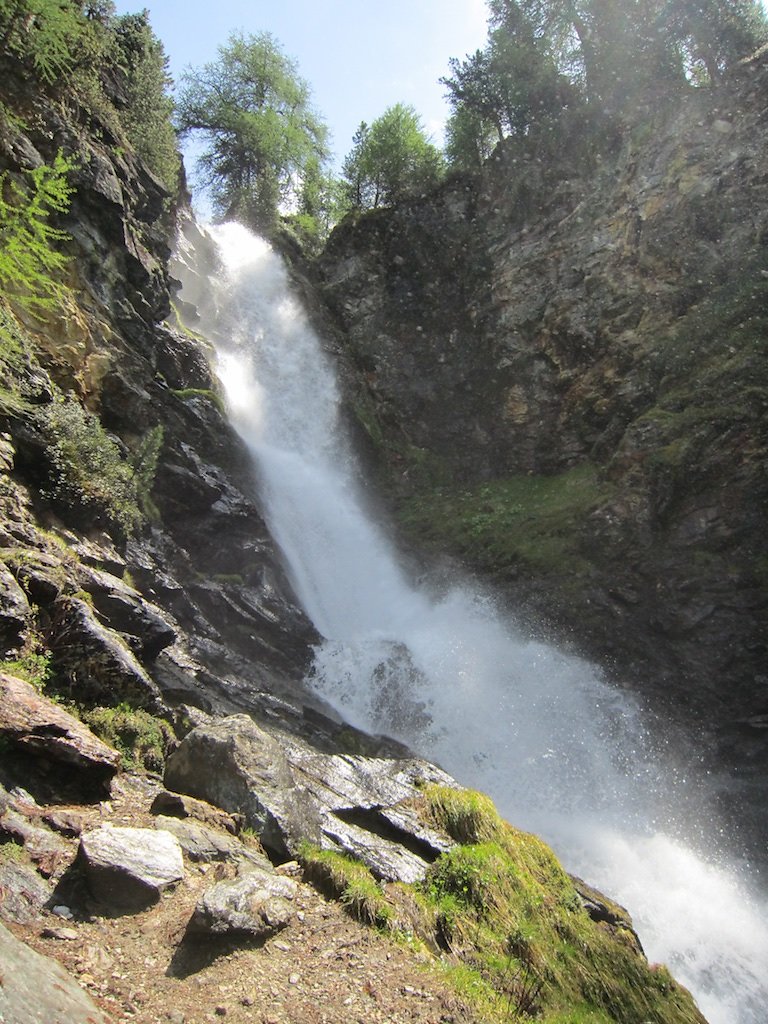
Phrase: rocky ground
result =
(138, 966)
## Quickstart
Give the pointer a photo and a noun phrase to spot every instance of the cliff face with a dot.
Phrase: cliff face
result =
(197, 591)
(562, 376)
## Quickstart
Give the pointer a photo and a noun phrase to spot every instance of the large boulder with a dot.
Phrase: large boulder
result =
(36, 990)
(238, 766)
(128, 868)
(35, 726)
(365, 806)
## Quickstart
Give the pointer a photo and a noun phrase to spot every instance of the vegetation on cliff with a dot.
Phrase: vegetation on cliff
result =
(508, 924)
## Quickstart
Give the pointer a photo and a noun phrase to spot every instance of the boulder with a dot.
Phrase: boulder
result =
(35, 989)
(258, 903)
(128, 868)
(364, 806)
(238, 766)
(145, 627)
(203, 844)
(97, 661)
(178, 805)
(37, 726)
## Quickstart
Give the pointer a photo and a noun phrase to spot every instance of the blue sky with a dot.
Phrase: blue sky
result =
(359, 56)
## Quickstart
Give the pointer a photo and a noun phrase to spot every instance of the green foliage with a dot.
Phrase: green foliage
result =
(33, 662)
(508, 89)
(512, 523)
(30, 262)
(508, 925)
(350, 881)
(146, 115)
(11, 853)
(390, 160)
(466, 815)
(262, 138)
(46, 35)
(91, 471)
(207, 393)
(547, 60)
(114, 68)
(141, 738)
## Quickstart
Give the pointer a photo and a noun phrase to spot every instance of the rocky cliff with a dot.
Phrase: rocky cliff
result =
(560, 368)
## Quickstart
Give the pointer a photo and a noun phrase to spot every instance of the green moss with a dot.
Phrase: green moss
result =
(211, 396)
(506, 925)
(349, 881)
(530, 521)
(141, 738)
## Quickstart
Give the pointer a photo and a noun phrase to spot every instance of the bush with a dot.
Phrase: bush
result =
(90, 470)
(141, 739)
(30, 262)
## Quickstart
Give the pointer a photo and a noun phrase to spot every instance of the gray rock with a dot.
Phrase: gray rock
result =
(238, 766)
(36, 990)
(362, 805)
(37, 726)
(97, 660)
(258, 903)
(179, 805)
(128, 868)
(123, 609)
(24, 893)
(14, 608)
(204, 845)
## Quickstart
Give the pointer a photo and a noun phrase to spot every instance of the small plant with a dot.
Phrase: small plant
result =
(30, 260)
(351, 882)
(141, 738)
(33, 662)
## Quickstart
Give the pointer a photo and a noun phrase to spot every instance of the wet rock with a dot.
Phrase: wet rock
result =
(206, 845)
(97, 662)
(35, 988)
(289, 793)
(258, 904)
(128, 868)
(44, 730)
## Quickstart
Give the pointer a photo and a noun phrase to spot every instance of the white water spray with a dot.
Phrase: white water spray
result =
(560, 752)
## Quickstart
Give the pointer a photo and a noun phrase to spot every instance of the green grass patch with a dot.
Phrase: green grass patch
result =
(33, 663)
(349, 881)
(506, 926)
(141, 738)
(186, 394)
(513, 522)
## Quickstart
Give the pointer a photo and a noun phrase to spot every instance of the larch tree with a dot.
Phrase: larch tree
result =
(260, 134)
(390, 160)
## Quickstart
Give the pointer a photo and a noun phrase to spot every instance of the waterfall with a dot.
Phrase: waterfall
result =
(440, 667)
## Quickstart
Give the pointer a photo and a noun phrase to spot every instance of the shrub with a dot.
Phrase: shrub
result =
(30, 262)
(141, 739)
(91, 471)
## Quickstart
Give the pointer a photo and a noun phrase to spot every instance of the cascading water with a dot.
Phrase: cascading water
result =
(561, 752)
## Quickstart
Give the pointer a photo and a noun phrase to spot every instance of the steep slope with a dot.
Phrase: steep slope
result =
(561, 371)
